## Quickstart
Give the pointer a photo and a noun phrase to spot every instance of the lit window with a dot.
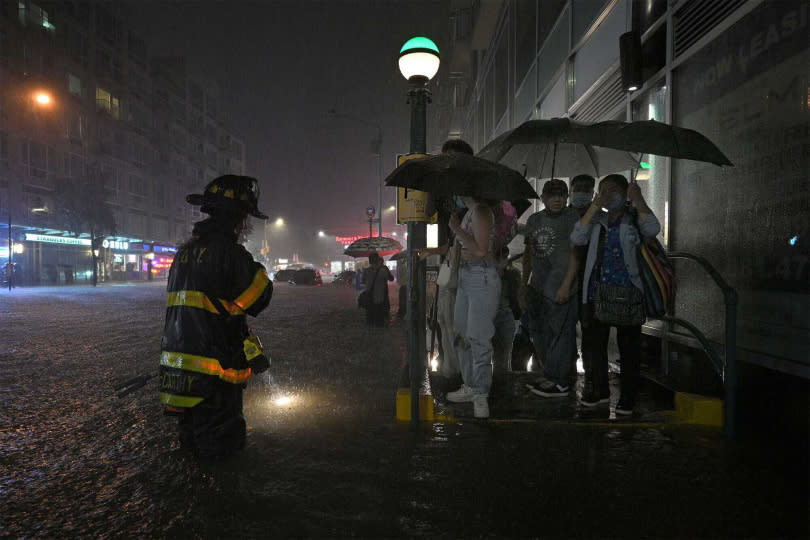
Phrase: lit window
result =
(74, 85)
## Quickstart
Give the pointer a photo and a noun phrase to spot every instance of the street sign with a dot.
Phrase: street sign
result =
(411, 202)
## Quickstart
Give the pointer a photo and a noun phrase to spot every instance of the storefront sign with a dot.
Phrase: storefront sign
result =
(114, 244)
(64, 240)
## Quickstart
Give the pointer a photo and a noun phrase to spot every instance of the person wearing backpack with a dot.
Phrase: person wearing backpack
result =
(613, 291)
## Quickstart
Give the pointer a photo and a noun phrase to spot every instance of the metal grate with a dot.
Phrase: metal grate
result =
(605, 99)
(697, 18)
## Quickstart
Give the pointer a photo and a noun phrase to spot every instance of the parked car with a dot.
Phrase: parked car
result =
(345, 277)
(283, 275)
(306, 276)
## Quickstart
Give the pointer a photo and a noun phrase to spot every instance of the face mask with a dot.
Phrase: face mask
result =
(581, 200)
(615, 202)
(459, 202)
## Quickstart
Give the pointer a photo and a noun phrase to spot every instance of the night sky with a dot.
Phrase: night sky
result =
(283, 65)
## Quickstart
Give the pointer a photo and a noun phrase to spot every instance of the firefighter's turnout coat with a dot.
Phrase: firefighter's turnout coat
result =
(213, 284)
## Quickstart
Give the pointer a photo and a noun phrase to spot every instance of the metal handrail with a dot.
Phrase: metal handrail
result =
(726, 370)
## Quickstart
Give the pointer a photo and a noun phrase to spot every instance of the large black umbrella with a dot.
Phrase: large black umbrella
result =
(382, 245)
(657, 138)
(461, 174)
(556, 147)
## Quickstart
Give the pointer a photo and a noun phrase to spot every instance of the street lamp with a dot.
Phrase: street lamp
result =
(418, 63)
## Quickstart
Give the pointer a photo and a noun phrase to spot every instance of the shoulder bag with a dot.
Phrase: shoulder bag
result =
(612, 304)
(366, 297)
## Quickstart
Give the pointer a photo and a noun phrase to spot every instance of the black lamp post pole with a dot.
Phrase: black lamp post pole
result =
(418, 96)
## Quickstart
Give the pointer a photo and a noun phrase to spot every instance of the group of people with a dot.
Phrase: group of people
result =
(579, 267)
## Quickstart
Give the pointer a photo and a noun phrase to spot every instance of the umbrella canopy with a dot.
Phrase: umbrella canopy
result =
(657, 138)
(461, 174)
(556, 147)
(382, 245)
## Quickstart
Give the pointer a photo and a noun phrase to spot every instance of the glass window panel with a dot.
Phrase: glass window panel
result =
(553, 54)
(653, 177)
(525, 37)
(600, 51)
(646, 12)
(585, 12)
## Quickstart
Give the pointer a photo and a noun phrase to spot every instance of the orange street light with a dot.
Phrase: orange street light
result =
(42, 98)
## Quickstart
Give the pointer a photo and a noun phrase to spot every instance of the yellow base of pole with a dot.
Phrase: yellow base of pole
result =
(696, 409)
(404, 406)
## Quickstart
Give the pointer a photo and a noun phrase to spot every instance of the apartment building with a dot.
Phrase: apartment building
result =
(83, 95)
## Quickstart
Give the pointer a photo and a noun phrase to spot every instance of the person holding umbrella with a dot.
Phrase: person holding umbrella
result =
(376, 278)
(612, 286)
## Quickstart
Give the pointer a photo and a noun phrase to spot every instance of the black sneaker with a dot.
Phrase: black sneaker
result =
(592, 398)
(550, 389)
(624, 408)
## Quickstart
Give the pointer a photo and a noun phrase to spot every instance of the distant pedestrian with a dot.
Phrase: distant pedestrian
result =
(376, 279)
(550, 288)
(359, 284)
(613, 290)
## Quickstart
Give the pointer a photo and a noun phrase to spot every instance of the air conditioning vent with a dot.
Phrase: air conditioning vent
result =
(697, 18)
(604, 99)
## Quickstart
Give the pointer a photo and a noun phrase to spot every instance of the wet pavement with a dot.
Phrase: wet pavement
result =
(325, 456)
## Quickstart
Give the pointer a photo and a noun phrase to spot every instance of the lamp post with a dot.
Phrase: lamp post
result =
(418, 63)
(376, 149)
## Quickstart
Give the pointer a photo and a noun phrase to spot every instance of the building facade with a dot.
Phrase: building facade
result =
(82, 97)
(734, 70)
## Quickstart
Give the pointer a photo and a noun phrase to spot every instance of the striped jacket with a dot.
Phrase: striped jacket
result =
(214, 283)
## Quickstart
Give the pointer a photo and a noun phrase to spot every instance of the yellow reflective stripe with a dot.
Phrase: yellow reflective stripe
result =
(179, 401)
(196, 299)
(203, 364)
(252, 293)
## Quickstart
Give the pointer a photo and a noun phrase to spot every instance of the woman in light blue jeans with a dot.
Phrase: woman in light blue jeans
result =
(477, 301)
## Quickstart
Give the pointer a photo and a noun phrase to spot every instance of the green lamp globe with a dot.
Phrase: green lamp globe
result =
(419, 59)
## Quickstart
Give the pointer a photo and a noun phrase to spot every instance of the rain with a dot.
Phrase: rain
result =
(117, 119)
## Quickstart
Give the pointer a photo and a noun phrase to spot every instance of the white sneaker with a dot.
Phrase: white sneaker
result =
(462, 395)
(480, 406)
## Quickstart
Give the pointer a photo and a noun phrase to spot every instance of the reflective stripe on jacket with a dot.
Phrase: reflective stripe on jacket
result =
(213, 284)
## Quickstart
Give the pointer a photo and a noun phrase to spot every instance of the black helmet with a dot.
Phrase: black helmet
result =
(229, 192)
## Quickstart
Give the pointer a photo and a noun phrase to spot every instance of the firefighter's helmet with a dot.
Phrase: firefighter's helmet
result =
(229, 192)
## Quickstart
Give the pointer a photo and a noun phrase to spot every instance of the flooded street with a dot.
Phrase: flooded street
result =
(325, 456)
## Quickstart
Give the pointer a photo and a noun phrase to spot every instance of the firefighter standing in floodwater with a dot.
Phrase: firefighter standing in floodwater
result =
(208, 352)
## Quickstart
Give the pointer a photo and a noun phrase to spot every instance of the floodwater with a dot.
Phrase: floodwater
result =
(325, 456)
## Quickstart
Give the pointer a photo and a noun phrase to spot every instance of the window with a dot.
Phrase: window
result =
(35, 157)
(137, 186)
(107, 102)
(585, 12)
(646, 12)
(74, 85)
(75, 125)
(526, 38)
(136, 47)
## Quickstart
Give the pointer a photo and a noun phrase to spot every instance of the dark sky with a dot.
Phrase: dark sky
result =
(282, 65)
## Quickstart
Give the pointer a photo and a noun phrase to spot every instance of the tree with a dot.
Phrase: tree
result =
(81, 209)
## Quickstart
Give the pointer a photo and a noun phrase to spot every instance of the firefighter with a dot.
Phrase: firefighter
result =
(208, 352)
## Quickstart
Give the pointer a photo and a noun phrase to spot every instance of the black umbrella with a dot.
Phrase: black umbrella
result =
(461, 174)
(556, 147)
(656, 138)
